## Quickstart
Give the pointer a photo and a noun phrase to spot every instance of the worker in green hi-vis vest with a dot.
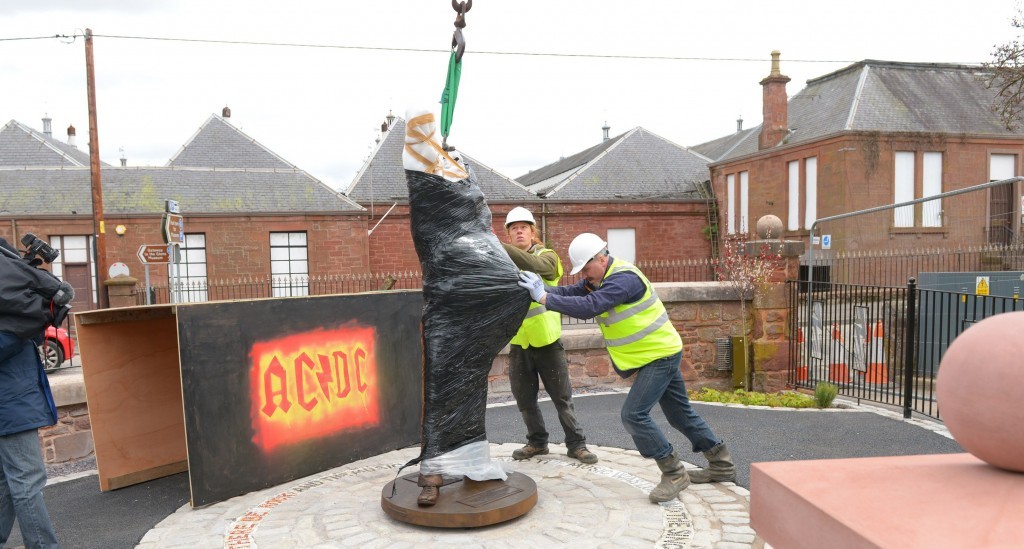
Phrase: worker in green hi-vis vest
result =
(536, 350)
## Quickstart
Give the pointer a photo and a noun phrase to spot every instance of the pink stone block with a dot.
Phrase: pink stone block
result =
(934, 501)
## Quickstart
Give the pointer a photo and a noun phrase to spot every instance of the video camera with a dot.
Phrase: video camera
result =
(31, 298)
(36, 246)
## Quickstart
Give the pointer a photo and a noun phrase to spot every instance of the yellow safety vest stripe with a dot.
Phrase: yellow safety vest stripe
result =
(638, 333)
(541, 327)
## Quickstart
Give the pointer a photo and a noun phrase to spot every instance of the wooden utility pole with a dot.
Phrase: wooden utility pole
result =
(99, 231)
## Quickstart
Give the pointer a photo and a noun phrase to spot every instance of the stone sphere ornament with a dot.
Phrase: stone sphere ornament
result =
(980, 381)
(769, 227)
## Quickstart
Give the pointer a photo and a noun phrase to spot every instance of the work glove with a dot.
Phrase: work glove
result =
(533, 283)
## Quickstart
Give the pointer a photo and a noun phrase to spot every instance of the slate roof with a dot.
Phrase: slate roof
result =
(218, 144)
(382, 177)
(143, 191)
(887, 97)
(21, 146)
(637, 165)
(721, 147)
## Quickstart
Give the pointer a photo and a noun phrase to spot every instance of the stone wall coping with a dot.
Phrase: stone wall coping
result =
(670, 292)
(68, 386)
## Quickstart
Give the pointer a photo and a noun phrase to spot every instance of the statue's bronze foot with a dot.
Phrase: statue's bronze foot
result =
(431, 485)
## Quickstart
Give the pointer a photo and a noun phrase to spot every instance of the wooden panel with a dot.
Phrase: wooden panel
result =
(278, 389)
(133, 390)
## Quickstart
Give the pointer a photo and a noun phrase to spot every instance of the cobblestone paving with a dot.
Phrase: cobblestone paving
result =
(602, 505)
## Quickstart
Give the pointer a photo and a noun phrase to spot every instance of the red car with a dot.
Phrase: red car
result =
(58, 347)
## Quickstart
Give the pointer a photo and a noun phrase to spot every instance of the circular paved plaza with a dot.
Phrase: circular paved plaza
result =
(601, 505)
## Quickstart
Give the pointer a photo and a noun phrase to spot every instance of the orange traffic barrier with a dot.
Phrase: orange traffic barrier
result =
(838, 370)
(877, 371)
(801, 365)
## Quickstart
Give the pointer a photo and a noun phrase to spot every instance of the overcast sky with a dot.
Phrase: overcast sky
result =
(320, 108)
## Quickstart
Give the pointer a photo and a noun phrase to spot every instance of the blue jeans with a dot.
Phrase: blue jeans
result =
(661, 382)
(22, 478)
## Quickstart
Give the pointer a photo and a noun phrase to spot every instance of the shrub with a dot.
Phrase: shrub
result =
(753, 398)
(824, 394)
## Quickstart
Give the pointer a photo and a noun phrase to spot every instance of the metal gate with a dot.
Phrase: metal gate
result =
(874, 343)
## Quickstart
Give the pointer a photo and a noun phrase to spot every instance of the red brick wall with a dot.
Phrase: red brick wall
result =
(239, 247)
(236, 247)
(855, 172)
(664, 231)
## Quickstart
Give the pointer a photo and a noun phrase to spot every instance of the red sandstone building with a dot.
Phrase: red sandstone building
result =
(248, 213)
(871, 134)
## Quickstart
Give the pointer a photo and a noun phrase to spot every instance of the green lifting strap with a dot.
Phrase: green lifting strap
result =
(450, 94)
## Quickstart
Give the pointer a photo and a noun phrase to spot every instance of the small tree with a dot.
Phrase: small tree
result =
(747, 274)
(1007, 78)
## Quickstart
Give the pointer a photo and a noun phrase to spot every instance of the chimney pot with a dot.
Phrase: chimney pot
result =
(225, 112)
(71, 136)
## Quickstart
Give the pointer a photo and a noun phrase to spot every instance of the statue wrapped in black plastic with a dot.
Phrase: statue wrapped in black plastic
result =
(473, 307)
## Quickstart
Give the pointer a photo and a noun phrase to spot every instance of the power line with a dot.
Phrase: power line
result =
(34, 37)
(429, 50)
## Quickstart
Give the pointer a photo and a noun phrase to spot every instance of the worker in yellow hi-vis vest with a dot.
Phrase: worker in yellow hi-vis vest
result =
(641, 341)
(536, 350)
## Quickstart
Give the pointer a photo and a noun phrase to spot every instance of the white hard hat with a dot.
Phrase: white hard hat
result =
(519, 213)
(583, 248)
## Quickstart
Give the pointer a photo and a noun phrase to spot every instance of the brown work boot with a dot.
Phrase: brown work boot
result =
(431, 485)
(528, 451)
(582, 454)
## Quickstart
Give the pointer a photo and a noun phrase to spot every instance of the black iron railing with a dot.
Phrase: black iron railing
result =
(881, 344)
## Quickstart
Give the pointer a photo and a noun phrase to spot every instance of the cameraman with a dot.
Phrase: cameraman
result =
(26, 404)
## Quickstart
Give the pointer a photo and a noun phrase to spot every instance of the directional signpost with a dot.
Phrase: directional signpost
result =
(173, 228)
(153, 253)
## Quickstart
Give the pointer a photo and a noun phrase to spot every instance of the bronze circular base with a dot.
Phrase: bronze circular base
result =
(463, 503)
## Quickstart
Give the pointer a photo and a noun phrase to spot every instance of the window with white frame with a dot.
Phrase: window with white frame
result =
(191, 283)
(730, 209)
(738, 205)
(905, 189)
(793, 215)
(744, 202)
(1001, 166)
(74, 250)
(811, 190)
(809, 187)
(931, 185)
(289, 265)
(903, 182)
(622, 244)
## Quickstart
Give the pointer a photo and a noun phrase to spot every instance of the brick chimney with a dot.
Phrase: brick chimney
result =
(774, 127)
